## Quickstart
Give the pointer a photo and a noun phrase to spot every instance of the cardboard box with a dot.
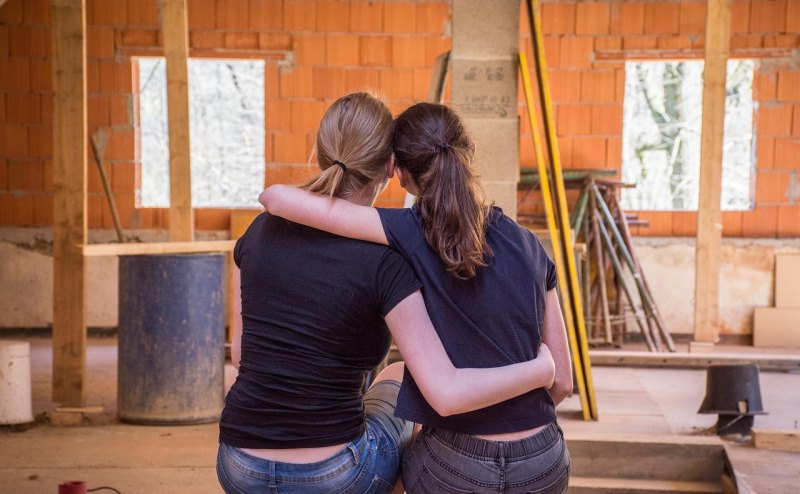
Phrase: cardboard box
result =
(484, 88)
(777, 327)
(787, 280)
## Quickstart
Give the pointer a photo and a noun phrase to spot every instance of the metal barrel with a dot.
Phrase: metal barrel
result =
(171, 339)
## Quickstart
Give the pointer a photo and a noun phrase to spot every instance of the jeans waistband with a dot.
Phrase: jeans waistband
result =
(485, 448)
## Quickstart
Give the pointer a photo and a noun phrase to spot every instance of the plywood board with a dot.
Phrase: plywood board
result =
(776, 327)
(787, 280)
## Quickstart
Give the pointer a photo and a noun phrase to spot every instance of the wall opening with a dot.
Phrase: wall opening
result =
(661, 135)
(226, 128)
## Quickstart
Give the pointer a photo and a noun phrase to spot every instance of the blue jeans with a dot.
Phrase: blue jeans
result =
(369, 464)
(447, 462)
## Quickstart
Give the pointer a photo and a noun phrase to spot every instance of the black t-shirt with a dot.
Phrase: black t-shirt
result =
(312, 307)
(490, 320)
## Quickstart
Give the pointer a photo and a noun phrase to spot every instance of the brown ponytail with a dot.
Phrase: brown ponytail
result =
(353, 146)
(432, 145)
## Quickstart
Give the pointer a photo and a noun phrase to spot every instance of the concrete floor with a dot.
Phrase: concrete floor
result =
(176, 459)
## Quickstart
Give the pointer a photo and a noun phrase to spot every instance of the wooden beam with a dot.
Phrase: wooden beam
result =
(709, 215)
(174, 30)
(69, 201)
(776, 440)
(153, 248)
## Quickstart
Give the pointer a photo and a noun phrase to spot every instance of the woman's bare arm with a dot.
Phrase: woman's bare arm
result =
(555, 337)
(450, 390)
(330, 214)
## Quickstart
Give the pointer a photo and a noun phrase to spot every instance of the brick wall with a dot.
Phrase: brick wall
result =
(318, 50)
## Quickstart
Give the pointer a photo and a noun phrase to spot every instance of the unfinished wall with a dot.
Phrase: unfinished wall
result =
(317, 50)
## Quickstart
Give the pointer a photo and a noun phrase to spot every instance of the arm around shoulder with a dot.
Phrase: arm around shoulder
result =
(554, 336)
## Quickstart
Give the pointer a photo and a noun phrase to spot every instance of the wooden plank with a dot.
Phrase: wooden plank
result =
(766, 362)
(709, 215)
(604, 484)
(174, 31)
(152, 248)
(69, 201)
(776, 440)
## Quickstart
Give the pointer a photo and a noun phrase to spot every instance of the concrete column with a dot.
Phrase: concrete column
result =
(484, 91)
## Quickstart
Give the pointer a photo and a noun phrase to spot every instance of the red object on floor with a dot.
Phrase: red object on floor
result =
(72, 487)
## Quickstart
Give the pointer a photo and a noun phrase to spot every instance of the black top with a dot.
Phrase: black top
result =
(312, 307)
(490, 320)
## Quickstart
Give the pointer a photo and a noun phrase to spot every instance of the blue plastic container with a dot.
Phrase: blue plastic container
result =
(171, 339)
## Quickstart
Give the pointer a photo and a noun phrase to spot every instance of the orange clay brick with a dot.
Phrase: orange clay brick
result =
(3, 42)
(592, 18)
(289, 148)
(639, 42)
(265, 14)
(42, 210)
(23, 108)
(213, 219)
(94, 207)
(107, 12)
(608, 43)
(309, 49)
(25, 176)
(660, 223)
(772, 187)
(93, 182)
(764, 85)
(576, 52)
(607, 119)
(760, 222)
(22, 210)
(13, 140)
(435, 46)
(789, 221)
(121, 145)
(747, 41)
(328, 82)
(28, 41)
(278, 115)
(141, 37)
(684, 223)
(740, 17)
(765, 152)
(296, 82)
(782, 41)
(272, 81)
(123, 177)
(589, 152)
(432, 17)
(366, 17)
(793, 17)
(597, 86)
(274, 41)
(231, 14)
(6, 207)
(406, 52)
(120, 109)
(376, 50)
(422, 83)
(241, 40)
(626, 18)
(15, 74)
(11, 13)
(3, 175)
(661, 18)
(565, 148)
(731, 223)
(92, 76)
(787, 153)
(564, 85)
(41, 75)
(206, 39)
(614, 153)
(342, 49)
(768, 16)
(142, 13)
(774, 120)
(557, 18)
(397, 84)
(674, 43)
(306, 115)
(126, 205)
(789, 85)
(574, 120)
(299, 15)
(361, 80)
(692, 18)
(333, 16)
(796, 120)
(40, 141)
(400, 17)
(36, 12)
(100, 42)
(201, 13)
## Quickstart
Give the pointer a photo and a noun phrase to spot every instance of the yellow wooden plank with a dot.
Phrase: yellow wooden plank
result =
(69, 201)
(174, 30)
(561, 201)
(709, 216)
(154, 248)
(558, 256)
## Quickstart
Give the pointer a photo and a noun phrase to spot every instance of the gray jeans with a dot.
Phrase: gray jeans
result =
(440, 461)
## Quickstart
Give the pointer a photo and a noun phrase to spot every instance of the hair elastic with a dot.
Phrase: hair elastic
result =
(341, 165)
(442, 147)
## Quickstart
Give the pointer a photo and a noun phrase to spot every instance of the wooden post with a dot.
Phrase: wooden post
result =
(69, 202)
(709, 216)
(174, 28)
